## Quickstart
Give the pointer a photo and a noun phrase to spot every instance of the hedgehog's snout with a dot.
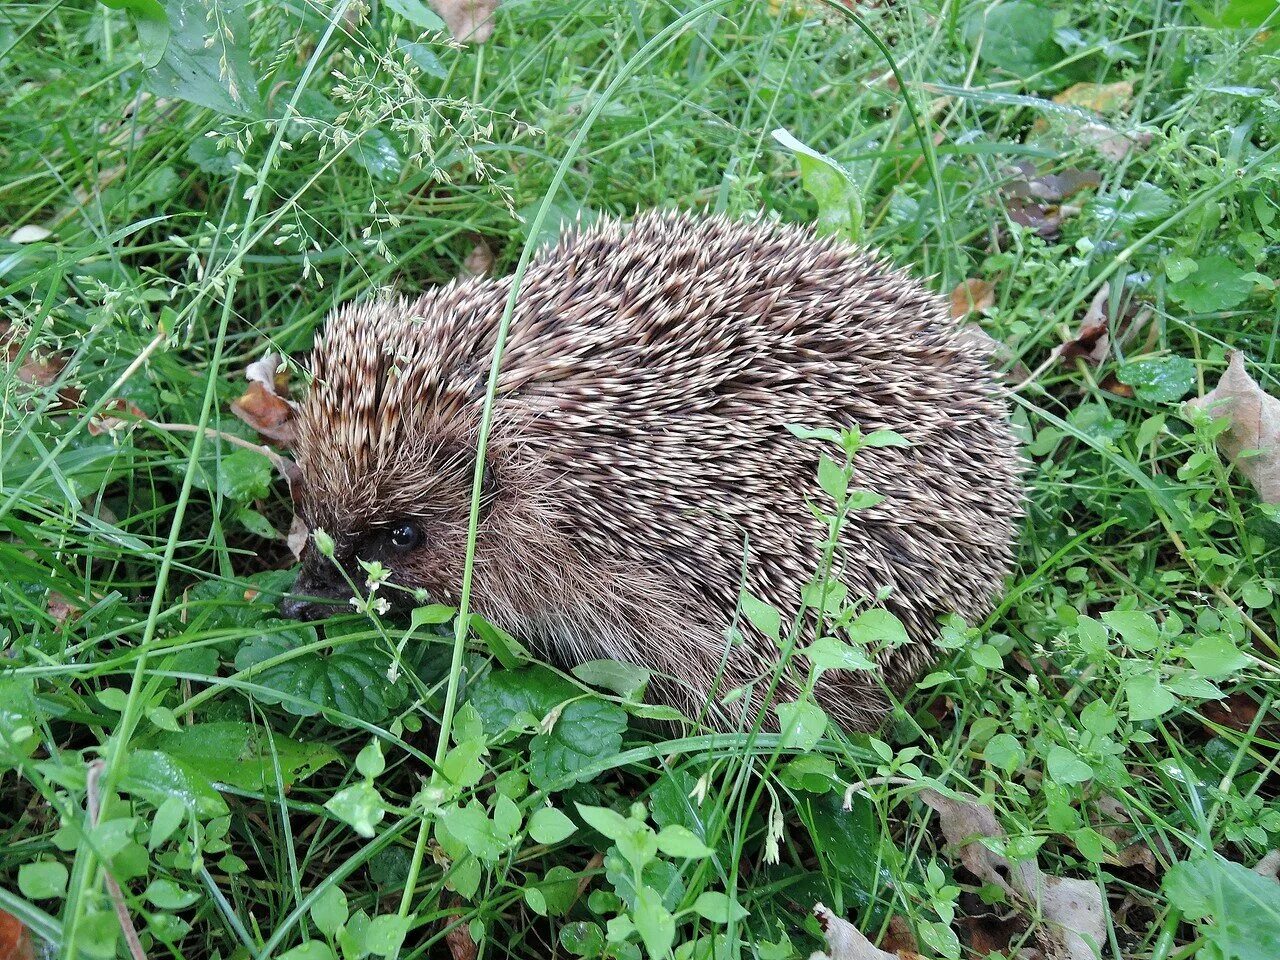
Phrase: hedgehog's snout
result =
(318, 591)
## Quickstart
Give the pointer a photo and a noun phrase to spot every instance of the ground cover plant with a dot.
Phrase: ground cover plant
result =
(189, 187)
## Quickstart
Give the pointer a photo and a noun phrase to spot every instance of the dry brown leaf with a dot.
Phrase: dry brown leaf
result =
(107, 421)
(458, 936)
(1114, 825)
(1073, 909)
(1098, 97)
(61, 609)
(972, 296)
(297, 538)
(470, 21)
(479, 262)
(1091, 341)
(264, 406)
(844, 940)
(964, 823)
(1269, 866)
(15, 939)
(1028, 183)
(1113, 144)
(1255, 426)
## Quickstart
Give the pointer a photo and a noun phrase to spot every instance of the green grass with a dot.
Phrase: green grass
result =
(1131, 664)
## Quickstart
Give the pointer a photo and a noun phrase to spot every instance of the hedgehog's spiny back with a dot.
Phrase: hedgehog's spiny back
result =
(646, 386)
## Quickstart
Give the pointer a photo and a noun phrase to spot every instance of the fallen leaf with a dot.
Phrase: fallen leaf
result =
(1034, 199)
(844, 940)
(61, 610)
(479, 262)
(963, 823)
(1000, 353)
(31, 233)
(1098, 97)
(298, 533)
(1114, 825)
(15, 939)
(470, 21)
(899, 939)
(263, 406)
(106, 422)
(1113, 144)
(972, 296)
(1252, 441)
(1076, 909)
(1029, 184)
(1091, 341)
(1073, 910)
(458, 938)
(1269, 866)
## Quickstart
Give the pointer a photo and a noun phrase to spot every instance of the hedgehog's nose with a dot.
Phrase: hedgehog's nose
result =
(312, 597)
(296, 608)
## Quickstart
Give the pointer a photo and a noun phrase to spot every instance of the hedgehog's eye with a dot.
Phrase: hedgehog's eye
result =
(405, 536)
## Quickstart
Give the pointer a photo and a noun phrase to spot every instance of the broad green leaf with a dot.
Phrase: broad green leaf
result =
(802, 724)
(839, 199)
(240, 754)
(206, 60)
(157, 776)
(417, 13)
(42, 879)
(311, 950)
(582, 938)
(1159, 379)
(828, 653)
(660, 875)
(424, 57)
(1238, 911)
(1015, 38)
(718, 908)
(1139, 630)
(351, 679)
(654, 923)
(1216, 284)
(811, 772)
(625, 679)
(1004, 752)
(588, 730)
(1067, 768)
(360, 806)
(549, 825)
(329, 911)
(609, 823)
(761, 615)
(19, 734)
(503, 696)
(681, 843)
(1147, 697)
(472, 827)
(877, 627)
(1216, 656)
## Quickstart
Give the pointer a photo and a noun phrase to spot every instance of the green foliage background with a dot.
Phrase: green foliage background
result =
(188, 184)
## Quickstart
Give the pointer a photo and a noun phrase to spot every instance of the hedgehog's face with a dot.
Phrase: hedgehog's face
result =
(419, 537)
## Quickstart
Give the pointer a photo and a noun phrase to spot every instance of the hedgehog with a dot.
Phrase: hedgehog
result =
(640, 473)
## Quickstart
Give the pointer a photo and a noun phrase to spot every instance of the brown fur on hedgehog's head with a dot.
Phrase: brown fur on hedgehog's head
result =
(386, 449)
(640, 451)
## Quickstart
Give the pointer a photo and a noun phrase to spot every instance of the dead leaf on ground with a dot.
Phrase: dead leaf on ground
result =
(1253, 439)
(1269, 866)
(1091, 341)
(844, 940)
(264, 405)
(1111, 143)
(458, 938)
(107, 420)
(61, 609)
(31, 233)
(1015, 371)
(899, 939)
(972, 296)
(479, 262)
(470, 21)
(15, 939)
(1073, 910)
(297, 538)
(1098, 97)
(1035, 200)
(1115, 826)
